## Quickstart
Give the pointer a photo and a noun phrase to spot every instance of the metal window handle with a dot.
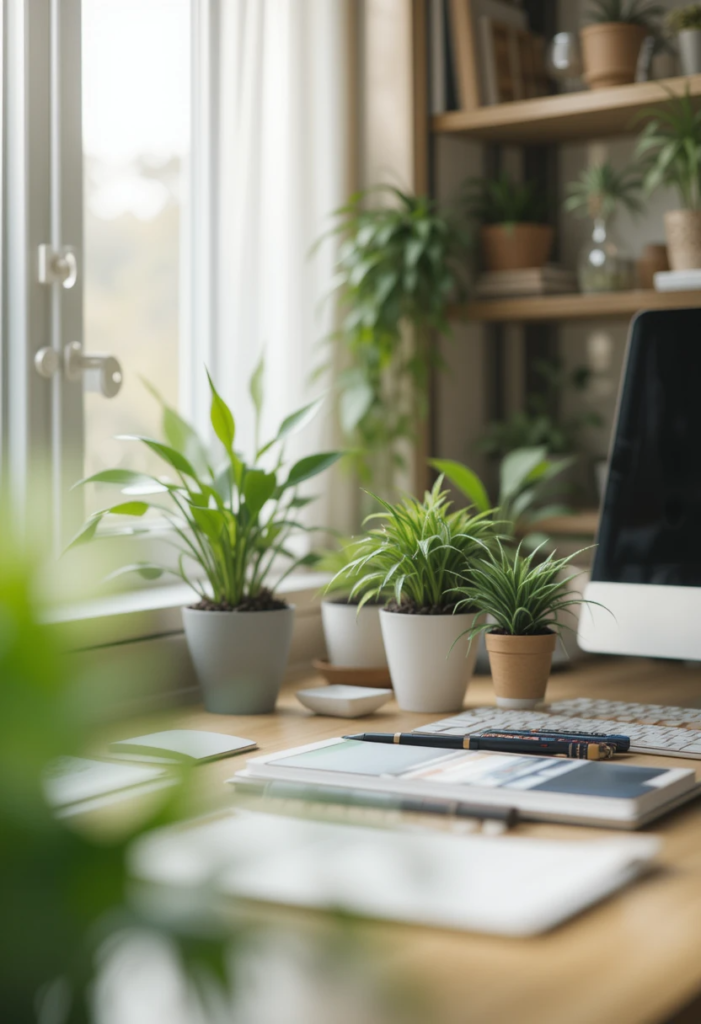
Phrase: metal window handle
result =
(99, 373)
(46, 362)
(58, 267)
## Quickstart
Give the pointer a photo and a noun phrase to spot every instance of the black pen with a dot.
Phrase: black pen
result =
(620, 743)
(495, 741)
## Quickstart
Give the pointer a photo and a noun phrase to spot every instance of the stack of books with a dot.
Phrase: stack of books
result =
(547, 280)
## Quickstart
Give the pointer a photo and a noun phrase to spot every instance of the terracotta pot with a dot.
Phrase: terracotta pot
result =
(520, 668)
(516, 246)
(653, 260)
(683, 229)
(610, 51)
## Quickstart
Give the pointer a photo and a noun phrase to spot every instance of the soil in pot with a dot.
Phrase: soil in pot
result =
(610, 51)
(240, 656)
(520, 667)
(430, 662)
(516, 246)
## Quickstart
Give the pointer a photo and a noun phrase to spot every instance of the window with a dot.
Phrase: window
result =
(98, 128)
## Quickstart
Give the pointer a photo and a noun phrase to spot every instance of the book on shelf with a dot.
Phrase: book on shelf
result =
(608, 794)
(548, 280)
(677, 280)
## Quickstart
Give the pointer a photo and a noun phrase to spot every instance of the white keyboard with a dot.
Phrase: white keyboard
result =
(652, 728)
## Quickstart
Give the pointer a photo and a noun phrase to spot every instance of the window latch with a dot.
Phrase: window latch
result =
(58, 266)
(99, 373)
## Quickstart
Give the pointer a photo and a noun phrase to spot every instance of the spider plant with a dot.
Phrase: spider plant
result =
(670, 145)
(230, 522)
(420, 551)
(527, 487)
(522, 594)
(684, 18)
(630, 12)
(338, 561)
(503, 201)
(601, 189)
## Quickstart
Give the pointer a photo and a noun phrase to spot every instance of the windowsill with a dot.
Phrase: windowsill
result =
(156, 611)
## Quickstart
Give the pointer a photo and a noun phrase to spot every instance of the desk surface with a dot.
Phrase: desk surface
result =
(636, 959)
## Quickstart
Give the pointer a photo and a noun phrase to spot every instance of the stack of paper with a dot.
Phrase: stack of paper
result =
(547, 280)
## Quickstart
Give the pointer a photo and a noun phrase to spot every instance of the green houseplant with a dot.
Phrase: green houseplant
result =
(419, 550)
(612, 39)
(598, 193)
(524, 599)
(353, 634)
(670, 146)
(398, 266)
(685, 24)
(513, 233)
(231, 524)
(537, 425)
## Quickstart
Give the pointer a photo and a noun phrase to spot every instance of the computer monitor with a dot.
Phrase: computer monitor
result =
(647, 564)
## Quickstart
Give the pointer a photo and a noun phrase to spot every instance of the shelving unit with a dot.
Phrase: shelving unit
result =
(544, 308)
(589, 114)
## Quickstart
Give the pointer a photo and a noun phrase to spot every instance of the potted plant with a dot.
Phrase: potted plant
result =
(598, 193)
(399, 266)
(420, 550)
(353, 634)
(514, 234)
(685, 24)
(612, 40)
(231, 524)
(670, 144)
(524, 599)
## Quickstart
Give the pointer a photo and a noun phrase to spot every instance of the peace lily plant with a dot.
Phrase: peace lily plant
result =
(231, 523)
(418, 551)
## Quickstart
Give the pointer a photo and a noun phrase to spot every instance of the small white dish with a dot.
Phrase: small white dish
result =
(344, 701)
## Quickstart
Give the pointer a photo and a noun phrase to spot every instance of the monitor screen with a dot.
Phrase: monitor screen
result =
(651, 513)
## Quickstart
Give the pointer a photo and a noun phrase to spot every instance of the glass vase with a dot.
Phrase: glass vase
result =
(603, 265)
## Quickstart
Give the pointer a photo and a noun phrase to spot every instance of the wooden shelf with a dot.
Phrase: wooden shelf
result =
(590, 114)
(603, 305)
(580, 524)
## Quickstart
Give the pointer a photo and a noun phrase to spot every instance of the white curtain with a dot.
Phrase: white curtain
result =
(282, 126)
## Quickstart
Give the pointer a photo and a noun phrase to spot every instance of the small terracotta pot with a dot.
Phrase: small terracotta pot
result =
(520, 668)
(516, 246)
(653, 260)
(683, 230)
(610, 51)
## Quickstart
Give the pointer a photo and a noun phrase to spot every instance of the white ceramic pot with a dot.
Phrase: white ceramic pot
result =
(427, 675)
(690, 51)
(239, 657)
(353, 638)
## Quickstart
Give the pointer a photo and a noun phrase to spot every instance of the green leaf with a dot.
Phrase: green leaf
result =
(209, 521)
(222, 418)
(86, 532)
(147, 571)
(516, 467)
(255, 386)
(311, 466)
(168, 454)
(258, 487)
(130, 508)
(294, 422)
(465, 480)
(354, 405)
(180, 434)
(115, 476)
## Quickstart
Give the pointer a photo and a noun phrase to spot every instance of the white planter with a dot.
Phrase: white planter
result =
(690, 51)
(353, 638)
(427, 675)
(239, 657)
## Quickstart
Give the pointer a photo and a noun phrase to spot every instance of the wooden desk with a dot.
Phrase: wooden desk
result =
(636, 959)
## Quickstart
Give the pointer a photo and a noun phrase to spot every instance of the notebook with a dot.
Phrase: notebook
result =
(190, 746)
(512, 886)
(607, 794)
(83, 783)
